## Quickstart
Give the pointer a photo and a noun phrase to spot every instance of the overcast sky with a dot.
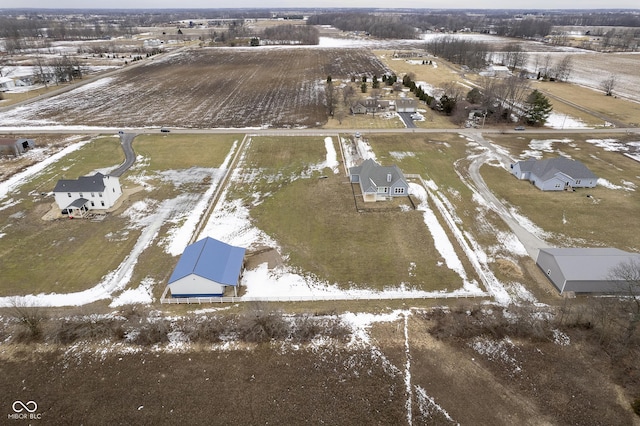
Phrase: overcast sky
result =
(425, 4)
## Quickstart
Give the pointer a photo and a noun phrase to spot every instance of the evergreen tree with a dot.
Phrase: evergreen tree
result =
(538, 109)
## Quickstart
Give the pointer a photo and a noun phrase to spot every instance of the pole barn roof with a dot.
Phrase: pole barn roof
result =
(210, 259)
(584, 270)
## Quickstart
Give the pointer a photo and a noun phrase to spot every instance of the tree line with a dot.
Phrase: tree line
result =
(298, 33)
(381, 26)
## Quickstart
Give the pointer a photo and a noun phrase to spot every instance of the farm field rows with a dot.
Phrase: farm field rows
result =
(208, 87)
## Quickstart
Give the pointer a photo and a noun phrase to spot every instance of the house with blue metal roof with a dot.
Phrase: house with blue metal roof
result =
(206, 268)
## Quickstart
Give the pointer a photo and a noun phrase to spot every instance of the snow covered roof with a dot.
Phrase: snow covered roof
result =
(93, 183)
(211, 259)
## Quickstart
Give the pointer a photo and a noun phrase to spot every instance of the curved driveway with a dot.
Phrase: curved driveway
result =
(531, 242)
(126, 139)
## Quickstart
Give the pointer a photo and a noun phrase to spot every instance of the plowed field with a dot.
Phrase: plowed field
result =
(210, 87)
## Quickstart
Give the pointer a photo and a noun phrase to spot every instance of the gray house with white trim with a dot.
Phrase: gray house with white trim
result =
(584, 270)
(75, 197)
(379, 182)
(555, 174)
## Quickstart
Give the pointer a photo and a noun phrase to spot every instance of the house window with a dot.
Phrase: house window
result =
(93, 194)
(102, 203)
(383, 190)
(548, 271)
(114, 190)
(398, 190)
(100, 195)
(93, 204)
(81, 195)
(69, 194)
(578, 182)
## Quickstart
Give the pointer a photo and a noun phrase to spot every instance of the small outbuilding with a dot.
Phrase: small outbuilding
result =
(206, 268)
(555, 174)
(15, 147)
(379, 182)
(585, 270)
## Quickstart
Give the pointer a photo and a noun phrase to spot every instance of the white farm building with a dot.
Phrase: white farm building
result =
(206, 268)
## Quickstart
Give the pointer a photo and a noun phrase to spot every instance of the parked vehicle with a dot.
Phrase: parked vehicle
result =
(519, 128)
(165, 130)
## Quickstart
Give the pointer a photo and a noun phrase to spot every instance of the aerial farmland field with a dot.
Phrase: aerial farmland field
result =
(209, 87)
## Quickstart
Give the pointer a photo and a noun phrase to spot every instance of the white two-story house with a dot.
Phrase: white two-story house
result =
(97, 192)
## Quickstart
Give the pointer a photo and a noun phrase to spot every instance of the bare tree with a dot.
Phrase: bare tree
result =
(29, 317)
(627, 273)
(608, 85)
(563, 68)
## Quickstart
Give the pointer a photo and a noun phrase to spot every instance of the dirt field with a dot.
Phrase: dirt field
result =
(410, 373)
(211, 87)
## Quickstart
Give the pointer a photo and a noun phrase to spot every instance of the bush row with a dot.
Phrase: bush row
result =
(138, 326)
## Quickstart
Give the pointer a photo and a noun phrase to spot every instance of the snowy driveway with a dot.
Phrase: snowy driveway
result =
(530, 241)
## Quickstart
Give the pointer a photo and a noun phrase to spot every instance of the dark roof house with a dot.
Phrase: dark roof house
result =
(555, 174)
(205, 268)
(379, 182)
(75, 197)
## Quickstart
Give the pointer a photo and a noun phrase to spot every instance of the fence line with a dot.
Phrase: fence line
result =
(318, 298)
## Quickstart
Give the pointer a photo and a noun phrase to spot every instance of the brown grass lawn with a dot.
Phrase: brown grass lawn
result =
(603, 220)
(609, 106)
(64, 255)
(59, 256)
(316, 223)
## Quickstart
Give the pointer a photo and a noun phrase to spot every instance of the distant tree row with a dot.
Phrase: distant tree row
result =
(460, 51)
(298, 33)
(381, 26)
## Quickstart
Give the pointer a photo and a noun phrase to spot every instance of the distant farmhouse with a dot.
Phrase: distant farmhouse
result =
(206, 268)
(379, 182)
(76, 197)
(585, 270)
(555, 174)
(15, 146)
(371, 106)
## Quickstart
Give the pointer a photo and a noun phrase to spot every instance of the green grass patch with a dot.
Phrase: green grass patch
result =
(182, 151)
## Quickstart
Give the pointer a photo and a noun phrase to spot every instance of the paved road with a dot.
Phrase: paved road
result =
(308, 132)
(126, 140)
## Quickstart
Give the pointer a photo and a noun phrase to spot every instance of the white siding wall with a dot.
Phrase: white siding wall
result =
(194, 284)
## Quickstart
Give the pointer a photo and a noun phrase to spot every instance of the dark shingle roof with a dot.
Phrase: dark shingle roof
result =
(373, 175)
(546, 169)
(93, 183)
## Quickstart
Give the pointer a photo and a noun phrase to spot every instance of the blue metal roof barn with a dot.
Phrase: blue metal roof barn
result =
(205, 268)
